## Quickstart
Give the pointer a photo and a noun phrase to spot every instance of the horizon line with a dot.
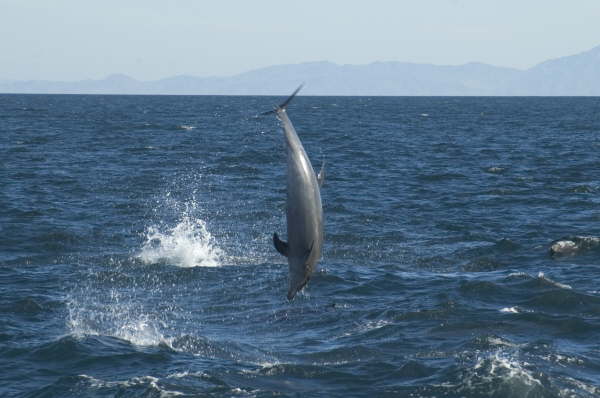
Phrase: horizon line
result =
(130, 77)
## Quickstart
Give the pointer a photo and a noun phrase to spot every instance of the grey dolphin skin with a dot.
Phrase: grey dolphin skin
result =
(304, 211)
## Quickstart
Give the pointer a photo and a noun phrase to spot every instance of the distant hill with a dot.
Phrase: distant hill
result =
(572, 75)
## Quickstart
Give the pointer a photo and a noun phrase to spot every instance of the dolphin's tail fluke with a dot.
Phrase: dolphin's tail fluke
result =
(291, 97)
(286, 102)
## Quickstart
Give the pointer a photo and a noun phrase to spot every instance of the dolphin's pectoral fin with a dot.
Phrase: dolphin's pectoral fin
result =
(281, 246)
(321, 175)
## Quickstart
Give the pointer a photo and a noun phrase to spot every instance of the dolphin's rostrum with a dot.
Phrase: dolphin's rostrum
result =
(304, 211)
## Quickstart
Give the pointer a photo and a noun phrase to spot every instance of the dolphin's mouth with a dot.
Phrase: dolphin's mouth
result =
(293, 291)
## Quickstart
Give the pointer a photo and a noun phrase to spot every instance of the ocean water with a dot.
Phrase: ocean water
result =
(136, 257)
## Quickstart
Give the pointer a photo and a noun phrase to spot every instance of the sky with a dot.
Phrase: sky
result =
(152, 39)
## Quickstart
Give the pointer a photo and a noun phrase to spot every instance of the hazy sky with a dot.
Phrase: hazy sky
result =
(152, 39)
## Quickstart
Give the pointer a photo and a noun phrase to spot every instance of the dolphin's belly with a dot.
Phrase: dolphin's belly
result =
(304, 210)
(304, 221)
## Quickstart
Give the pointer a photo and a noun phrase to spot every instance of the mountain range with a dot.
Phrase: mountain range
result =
(575, 75)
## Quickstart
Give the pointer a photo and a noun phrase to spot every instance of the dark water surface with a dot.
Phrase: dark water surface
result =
(136, 256)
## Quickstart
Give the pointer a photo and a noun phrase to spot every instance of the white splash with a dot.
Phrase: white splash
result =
(495, 169)
(502, 365)
(512, 310)
(184, 374)
(564, 247)
(150, 383)
(518, 275)
(367, 327)
(186, 127)
(500, 371)
(498, 341)
(576, 387)
(573, 245)
(118, 318)
(140, 332)
(188, 244)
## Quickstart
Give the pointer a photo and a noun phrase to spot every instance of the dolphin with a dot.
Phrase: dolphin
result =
(304, 211)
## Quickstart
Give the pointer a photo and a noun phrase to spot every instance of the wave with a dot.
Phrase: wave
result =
(119, 318)
(544, 279)
(444, 176)
(573, 245)
(527, 281)
(122, 317)
(78, 351)
(85, 385)
(148, 332)
(501, 374)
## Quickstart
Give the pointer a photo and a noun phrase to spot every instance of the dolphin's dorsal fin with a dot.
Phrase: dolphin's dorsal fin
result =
(321, 175)
(281, 246)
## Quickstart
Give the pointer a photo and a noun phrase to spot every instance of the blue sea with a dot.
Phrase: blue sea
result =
(136, 255)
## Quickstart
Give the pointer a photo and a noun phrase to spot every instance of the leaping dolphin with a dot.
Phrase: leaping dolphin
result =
(304, 210)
